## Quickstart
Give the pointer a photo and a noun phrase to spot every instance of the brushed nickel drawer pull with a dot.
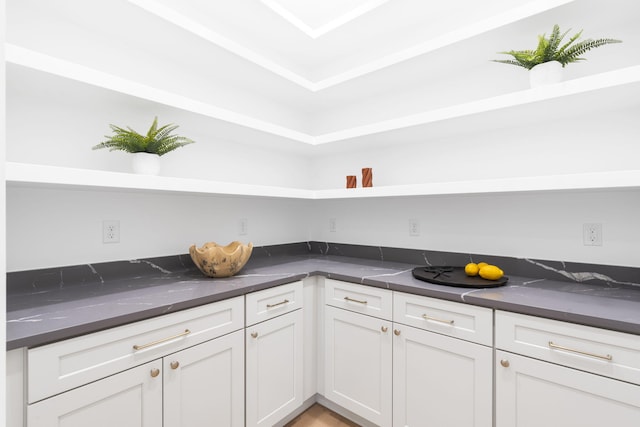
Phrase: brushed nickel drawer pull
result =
(151, 344)
(155, 372)
(175, 364)
(448, 322)
(355, 300)
(254, 335)
(384, 329)
(584, 353)
(397, 332)
(278, 303)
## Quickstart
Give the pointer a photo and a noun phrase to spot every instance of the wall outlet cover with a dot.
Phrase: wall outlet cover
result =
(111, 231)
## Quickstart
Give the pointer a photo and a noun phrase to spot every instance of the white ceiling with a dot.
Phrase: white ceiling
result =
(320, 43)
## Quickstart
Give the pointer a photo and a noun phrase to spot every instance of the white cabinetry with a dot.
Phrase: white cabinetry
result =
(431, 366)
(127, 375)
(274, 354)
(440, 380)
(358, 350)
(554, 373)
(132, 398)
(205, 383)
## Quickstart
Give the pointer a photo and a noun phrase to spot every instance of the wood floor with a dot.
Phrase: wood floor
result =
(319, 416)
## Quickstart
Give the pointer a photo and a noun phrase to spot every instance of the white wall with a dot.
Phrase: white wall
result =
(447, 152)
(3, 276)
(56, 121)
(527, 225)
(49, 228)
(45, 127)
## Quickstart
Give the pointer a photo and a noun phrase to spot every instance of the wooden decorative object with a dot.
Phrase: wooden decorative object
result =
(214, 260)
(367, 177)
(352, 181)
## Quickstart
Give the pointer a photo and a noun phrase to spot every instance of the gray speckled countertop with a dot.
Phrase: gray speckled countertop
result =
(86, 300)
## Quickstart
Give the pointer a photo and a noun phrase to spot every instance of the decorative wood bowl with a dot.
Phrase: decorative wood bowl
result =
(214, 260)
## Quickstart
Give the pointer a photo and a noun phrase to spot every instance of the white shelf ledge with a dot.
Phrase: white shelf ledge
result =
(61, 177)
(615, 88)
(570, 182)
(80, 73)
(577, 94)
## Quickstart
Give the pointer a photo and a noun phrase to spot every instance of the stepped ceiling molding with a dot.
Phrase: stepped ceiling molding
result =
(318, 44)
(316, 18)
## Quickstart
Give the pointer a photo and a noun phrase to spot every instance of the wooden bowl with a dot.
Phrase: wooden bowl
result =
(214, 260)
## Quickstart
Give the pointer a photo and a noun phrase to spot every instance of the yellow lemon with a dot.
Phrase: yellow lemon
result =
(491, 272)
(482, 264)
(471, 269)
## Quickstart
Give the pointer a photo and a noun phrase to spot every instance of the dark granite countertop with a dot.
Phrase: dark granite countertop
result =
(71, 301)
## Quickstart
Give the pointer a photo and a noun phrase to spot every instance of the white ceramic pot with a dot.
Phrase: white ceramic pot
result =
(146, 163)
(544, 74)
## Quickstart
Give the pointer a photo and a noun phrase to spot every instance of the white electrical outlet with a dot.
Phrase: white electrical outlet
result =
(111, 231)
(592, 234)
(332, 225)
(414, 227)
(243, 226)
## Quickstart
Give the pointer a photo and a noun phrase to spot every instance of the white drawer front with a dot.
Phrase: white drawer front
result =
(608, 353)
(272, 302)
(64, 365)
(359, 298)
(445, 317)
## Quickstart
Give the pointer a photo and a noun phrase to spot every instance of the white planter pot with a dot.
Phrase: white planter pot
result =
(544, 74)
(146, 163)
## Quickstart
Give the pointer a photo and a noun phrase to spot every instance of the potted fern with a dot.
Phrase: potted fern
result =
(550, 56)
(146, 149)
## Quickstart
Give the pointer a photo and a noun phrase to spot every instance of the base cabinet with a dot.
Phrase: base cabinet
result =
(553, 373)
(274, 351)
(132, 398)
(199, 386)
(358, 356)
(533, 393)
(204, 385)
(440, 381)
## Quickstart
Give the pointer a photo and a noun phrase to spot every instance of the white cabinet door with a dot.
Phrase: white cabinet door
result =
(358, 352)
(204, 385)
(440, 381)
(274, 370)
(532, 393)
(132, 398)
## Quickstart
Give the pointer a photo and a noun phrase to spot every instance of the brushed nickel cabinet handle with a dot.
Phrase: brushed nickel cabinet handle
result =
(505, 363)
(277, 304)
(254, 335)
(151, 344)
(355, 300)
(175, 364)
(384, 329)
(584, 353)
(435, 319)
(397, 332)
(155, 372)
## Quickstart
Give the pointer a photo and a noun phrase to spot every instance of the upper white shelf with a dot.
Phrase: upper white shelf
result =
(615, 89)
(60, 177)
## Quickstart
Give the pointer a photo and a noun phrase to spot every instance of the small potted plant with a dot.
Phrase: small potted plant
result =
(146, 149)
(550, 56)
